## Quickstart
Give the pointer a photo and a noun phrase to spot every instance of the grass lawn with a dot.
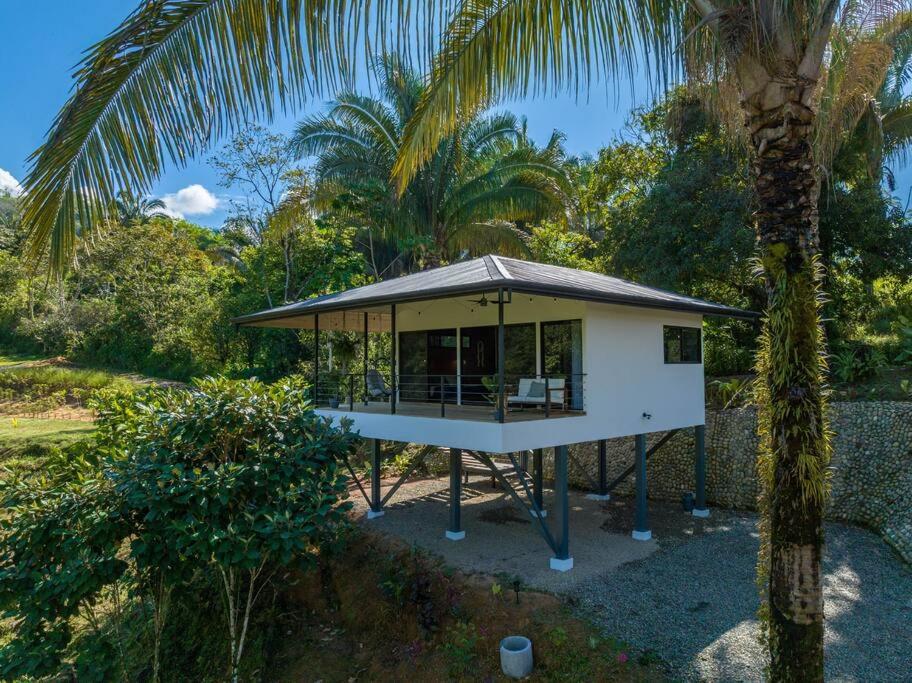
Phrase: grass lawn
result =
(7, 359)
(24, 441)
(20, 432)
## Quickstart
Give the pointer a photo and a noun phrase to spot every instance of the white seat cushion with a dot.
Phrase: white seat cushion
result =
(524, 385)
(555, 388)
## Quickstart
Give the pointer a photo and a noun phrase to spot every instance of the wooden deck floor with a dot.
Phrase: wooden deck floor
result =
(452, 412)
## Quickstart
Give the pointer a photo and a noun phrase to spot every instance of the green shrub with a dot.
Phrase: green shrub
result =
(460, 649)
(852, 362)
(734, 392)
(224, 483)
(725, 353)
(903, 327)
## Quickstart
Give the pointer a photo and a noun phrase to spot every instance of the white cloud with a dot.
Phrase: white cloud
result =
(193, 200)
(9, 184)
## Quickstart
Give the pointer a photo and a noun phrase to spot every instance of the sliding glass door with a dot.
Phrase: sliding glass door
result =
(479, 359)
(427, 362)
(562, 356)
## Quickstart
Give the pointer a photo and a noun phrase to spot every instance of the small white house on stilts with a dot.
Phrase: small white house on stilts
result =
(497, 357)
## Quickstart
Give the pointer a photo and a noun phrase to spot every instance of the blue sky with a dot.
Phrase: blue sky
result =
(42, 40)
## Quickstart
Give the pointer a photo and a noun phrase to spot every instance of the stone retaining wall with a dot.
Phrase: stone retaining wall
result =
(871, 465)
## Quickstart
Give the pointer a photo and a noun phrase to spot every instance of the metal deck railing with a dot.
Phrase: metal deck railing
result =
(464, 396)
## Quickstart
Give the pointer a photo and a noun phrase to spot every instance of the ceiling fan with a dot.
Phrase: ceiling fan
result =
(483, 301)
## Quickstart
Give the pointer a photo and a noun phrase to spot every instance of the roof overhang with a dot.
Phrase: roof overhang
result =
(301, 315)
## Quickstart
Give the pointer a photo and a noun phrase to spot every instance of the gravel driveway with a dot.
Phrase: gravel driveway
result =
(693, 603)
(688, 596)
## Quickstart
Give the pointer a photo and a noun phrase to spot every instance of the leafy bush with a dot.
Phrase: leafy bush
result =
(60, 541)
(460, 649)
(228, 481)
(725, 352)
(853, 362)
(737, 391)
(904, 330)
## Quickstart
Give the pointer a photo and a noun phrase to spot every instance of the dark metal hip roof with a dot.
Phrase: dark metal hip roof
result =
(494, 272)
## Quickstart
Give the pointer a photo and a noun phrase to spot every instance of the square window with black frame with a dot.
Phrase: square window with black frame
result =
(683, 344)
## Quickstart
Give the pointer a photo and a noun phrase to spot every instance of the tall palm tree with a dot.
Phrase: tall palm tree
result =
(134, 209)
(769, 58)
(177, 74)
(482, 179)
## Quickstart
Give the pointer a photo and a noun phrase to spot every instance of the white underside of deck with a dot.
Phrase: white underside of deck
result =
(470, 427)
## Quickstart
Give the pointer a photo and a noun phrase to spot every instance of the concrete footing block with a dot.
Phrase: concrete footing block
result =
(642, 535)
(598, 496)
(697, 512)
(560, 565)
(373, 514)
(455, 535)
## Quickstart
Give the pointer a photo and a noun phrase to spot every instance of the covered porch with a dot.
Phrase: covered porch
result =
(496, 363)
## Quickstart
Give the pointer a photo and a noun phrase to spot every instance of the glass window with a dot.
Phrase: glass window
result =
(519, 343)
(562, 356)
(413, 366)
(683, 344)
(479, 359)
(427, 359)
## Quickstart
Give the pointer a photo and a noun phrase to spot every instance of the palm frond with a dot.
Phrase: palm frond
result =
(492, 237)
(315, 134)
(852, 81)
(897, 132)
(368, 115)
(509, 48)
(486, 132)
(177, 75)
(527, 199)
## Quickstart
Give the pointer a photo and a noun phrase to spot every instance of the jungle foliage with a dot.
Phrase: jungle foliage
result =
(801, 79)
(668, 204)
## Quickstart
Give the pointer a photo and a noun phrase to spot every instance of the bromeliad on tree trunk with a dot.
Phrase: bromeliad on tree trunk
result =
(794, 445)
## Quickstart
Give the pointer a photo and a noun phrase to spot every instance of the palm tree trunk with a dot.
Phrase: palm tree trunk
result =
(794, 444)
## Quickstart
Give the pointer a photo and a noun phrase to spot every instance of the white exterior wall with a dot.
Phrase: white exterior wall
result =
(627, 375)
(623, 360)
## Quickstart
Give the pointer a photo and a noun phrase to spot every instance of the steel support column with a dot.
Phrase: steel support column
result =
(537, 478)
(562, 561)
(455, 532)
(376, 462)
(700, 509)
(641, 530)
(601, 490)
